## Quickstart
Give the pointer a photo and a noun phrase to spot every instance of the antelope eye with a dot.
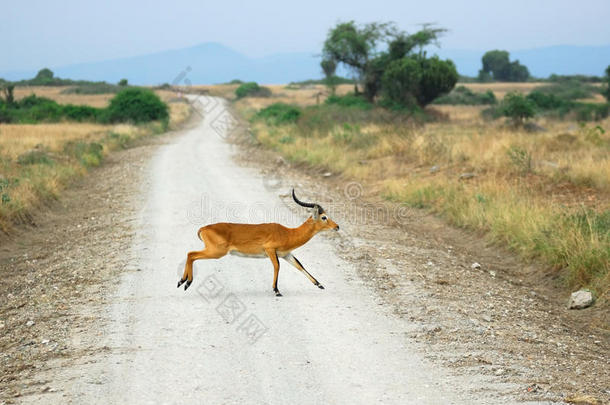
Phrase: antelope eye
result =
(324, 217)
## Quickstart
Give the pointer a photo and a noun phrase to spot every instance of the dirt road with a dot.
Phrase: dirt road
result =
(229, 340)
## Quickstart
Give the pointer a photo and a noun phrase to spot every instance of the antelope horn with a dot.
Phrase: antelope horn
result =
(301, 203)
(307, 205)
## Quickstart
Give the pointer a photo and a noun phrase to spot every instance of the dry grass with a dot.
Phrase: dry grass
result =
(53, 163)
(54, 93)
(527, 189)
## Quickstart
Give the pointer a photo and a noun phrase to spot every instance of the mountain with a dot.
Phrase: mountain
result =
(210, 62)
(206, 63)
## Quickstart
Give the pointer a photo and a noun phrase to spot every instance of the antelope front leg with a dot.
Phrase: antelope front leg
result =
(276, 269)
(297, 264)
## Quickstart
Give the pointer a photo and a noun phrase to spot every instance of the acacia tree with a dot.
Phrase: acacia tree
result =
(355, 46)
(358, 48)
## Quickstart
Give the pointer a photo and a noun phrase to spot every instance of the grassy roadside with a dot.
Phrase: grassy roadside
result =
(545, 195)
(37, 161)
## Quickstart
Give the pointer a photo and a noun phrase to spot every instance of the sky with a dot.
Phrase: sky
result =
(57, 33)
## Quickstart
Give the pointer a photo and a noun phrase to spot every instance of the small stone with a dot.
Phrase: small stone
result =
(580, 299)
(499, 371)
(327, 174)
(466, 176)
(44, 341)
(434, 169)
(492, 273)
(475, 266)
(29, 323)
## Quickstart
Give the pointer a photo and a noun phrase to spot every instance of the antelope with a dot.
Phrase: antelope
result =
(270, 240)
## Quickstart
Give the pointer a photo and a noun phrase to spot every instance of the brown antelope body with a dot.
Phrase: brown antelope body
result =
(259, 240)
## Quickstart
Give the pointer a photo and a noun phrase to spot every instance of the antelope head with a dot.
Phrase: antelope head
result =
(321, 220)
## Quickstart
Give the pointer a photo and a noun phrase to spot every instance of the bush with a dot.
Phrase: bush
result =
(569, 90)
(90, 154)
(518, 108)
(35, 156)
(462, 95)
(279, 113)
(135, 105)
(591, 111)
(412, 81)
(80, 112)
(349, 100)
(252, 89)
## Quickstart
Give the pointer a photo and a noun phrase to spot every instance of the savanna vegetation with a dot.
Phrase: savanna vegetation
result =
(50, 135)
(532, 173)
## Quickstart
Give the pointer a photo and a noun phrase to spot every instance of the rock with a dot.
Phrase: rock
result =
(327, 174)
(580, 299)
(499, 371)
(546, 163)
(466, 176)
(280, 161)
(29, 323)
(475, 266)
(434, 169)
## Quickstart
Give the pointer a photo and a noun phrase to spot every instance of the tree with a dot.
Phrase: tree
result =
(355, 46)
(358, 48)
(123, 82)
(329, 66)
(7, 89)
(44, 74)
(417, 80)
(606, 90)
(438, 78)
(497, 66)
(401, 80)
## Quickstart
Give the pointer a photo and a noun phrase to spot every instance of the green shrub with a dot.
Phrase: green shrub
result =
(80, 112)
(252, 89)
(462, 95)
(34, 157)
(591, 111)
(569, 90)
(135, 105)
(279, 113)
(123, 140)
(518, 108)
(349, 100)
(90, 154)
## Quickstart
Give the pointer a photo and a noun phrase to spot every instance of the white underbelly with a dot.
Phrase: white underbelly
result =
(250, 255)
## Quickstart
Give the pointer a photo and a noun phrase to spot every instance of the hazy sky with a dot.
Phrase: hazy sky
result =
(55, 33)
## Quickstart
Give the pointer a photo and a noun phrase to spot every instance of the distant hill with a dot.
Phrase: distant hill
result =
(215, 63)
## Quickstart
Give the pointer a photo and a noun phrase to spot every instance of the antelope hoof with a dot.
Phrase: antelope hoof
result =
(180, 282)
(188, 284)
(278, 294)
(320, 286)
